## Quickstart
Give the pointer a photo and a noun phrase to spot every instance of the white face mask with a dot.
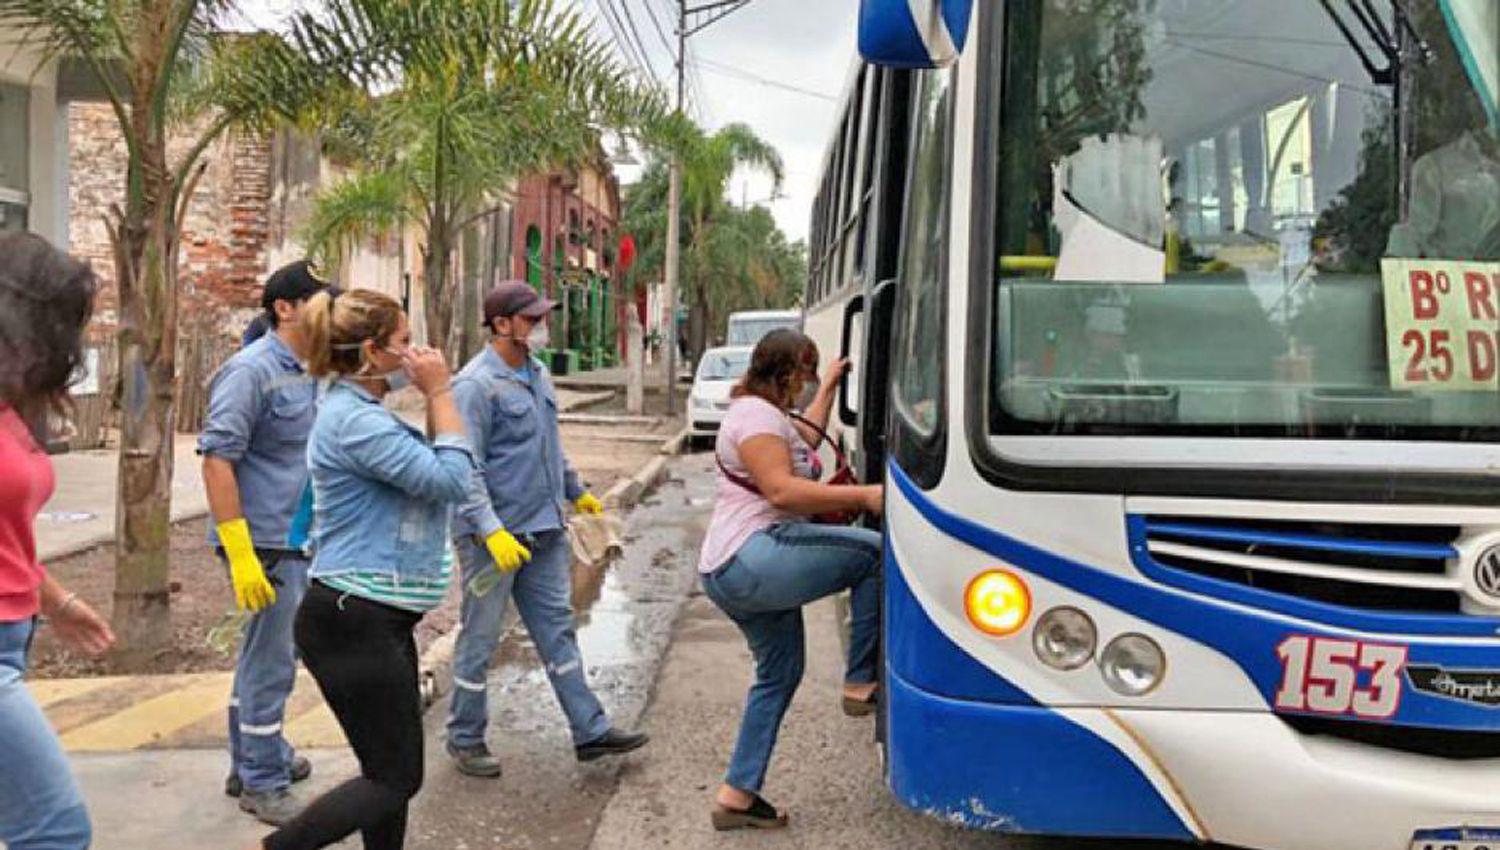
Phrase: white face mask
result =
(398, 378)
(539, 338)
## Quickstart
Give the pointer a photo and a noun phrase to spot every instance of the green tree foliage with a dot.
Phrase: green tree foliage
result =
(459, 98)
(732, 258)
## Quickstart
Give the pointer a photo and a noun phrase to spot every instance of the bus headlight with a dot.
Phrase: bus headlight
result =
(1133, 665)
(1064, 638)
(997, 603)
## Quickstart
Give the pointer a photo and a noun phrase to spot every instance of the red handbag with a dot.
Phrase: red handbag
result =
(843, 474)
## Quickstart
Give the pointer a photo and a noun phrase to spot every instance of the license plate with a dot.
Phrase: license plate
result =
(1457, 838)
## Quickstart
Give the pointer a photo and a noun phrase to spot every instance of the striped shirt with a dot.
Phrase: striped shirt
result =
(416, 595)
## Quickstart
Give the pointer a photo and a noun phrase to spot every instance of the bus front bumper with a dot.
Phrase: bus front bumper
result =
(1245, 779)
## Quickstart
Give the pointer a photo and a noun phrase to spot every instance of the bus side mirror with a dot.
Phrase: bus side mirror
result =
(913, 33)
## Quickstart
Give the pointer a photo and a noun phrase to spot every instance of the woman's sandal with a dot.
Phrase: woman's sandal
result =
(862, 707)
(760, 815)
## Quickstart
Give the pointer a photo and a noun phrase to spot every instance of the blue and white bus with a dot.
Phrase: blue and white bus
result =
(1177, 325)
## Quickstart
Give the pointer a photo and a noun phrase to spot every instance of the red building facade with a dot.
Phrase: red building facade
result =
(565, 241)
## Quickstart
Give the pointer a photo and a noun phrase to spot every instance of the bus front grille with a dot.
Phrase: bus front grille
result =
(1374, 566)
(1458, 744)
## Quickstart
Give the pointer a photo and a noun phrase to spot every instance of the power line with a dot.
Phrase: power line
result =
(695, 84)
(622, 44)
(661, 32)
(742, 74)
(636, 34)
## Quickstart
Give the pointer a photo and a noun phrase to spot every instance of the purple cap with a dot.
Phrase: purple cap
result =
(515, 297)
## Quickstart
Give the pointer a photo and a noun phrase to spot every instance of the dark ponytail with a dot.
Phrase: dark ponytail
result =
(46, 299)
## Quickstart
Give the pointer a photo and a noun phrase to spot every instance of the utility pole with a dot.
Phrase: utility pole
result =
(715, 11)
(674, 217)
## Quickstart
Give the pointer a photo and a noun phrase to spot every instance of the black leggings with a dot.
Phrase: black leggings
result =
(365, 662)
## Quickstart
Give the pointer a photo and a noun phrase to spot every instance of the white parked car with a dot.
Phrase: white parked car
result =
(747, 327)
(718, 371)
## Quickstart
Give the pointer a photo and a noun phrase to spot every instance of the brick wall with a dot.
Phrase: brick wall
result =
(227, 228)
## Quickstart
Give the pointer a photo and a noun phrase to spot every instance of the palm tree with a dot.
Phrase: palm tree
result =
(160, 63)
(710, 261)
(462, 97)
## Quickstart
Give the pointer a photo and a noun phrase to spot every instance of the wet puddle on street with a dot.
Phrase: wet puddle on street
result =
(624, 608)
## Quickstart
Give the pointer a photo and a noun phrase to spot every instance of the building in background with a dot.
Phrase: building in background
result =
(241, 224)
(33, 141)
(565, 233)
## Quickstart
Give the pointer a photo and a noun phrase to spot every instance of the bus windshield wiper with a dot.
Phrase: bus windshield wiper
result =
(1384, 38)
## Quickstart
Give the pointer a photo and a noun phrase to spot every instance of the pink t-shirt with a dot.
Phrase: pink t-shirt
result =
(739, 513)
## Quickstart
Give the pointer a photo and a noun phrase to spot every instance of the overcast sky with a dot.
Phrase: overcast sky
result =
(804, 44)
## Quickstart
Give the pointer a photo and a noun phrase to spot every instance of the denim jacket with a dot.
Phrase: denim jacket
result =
(382, 492)
(524, 483)
(260, 410)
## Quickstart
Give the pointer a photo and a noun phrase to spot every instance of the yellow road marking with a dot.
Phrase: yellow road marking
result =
(315, 728)
(51, 691)
(147, 722)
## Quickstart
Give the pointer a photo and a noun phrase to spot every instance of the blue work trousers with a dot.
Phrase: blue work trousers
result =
(40, 807)
(763, 588)
(263, 679)
(542, 588)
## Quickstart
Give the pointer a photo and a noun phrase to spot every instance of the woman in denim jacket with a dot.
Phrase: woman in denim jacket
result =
(383, 494)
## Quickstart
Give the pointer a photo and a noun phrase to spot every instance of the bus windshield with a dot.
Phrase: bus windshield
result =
(1275, 218)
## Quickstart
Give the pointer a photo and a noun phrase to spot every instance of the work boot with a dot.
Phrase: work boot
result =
(275, 808)
(234, 786)
(612, 743)
(475, 761)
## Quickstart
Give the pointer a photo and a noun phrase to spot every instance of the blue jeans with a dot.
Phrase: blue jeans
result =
(763, 588)
(543, 589)
(40, 807)
(263, 679)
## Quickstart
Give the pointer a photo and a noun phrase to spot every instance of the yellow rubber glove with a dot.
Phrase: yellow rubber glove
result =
(507, 551)
(508, 555)
(252, 592)
(589, 504)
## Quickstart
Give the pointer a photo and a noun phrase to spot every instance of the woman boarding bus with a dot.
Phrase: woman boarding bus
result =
(1192, 527)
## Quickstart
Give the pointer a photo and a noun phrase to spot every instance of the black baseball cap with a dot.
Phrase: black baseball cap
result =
(293, 282)
(515, 298)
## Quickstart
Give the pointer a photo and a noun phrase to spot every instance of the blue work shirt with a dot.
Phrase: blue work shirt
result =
(382, 492)
(525, 483)
(261, 406)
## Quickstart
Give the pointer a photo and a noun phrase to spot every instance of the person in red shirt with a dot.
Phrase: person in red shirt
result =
(45, 300)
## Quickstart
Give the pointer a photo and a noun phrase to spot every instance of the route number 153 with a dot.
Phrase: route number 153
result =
(1336, 676)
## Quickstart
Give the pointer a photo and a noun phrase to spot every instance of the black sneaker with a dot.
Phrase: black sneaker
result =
(613, 743)
(234, 786)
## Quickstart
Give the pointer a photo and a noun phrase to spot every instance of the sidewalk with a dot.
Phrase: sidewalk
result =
(81, 513)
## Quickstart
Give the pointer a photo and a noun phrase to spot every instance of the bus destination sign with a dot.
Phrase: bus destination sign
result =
(1441, 324)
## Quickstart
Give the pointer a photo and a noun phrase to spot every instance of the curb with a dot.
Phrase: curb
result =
(585, 399)
(107, 538)
(436, 664)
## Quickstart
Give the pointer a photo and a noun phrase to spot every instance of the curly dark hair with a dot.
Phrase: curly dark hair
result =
(780, 357)
(46, 298)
